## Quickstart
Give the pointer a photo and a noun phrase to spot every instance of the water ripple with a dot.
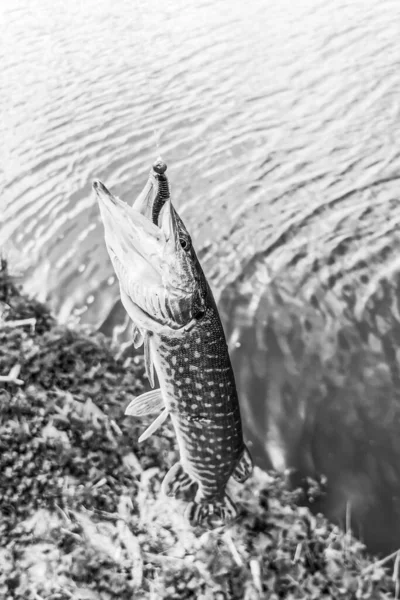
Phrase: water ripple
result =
(279, 122)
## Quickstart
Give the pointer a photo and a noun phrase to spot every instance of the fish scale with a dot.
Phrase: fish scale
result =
(198, 386)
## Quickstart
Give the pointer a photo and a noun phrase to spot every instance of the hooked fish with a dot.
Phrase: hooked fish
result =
(166, 294)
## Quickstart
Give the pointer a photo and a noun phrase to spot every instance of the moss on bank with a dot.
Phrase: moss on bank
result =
(81, 515)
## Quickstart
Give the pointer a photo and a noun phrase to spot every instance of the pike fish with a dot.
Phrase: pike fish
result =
(166, 294)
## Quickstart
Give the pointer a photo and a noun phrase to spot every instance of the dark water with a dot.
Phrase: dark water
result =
(281, 125)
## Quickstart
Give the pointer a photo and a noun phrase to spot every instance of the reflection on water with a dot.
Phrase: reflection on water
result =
(321, 394)
(279, 123)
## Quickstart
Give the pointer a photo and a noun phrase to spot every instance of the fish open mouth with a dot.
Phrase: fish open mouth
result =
(148, 246)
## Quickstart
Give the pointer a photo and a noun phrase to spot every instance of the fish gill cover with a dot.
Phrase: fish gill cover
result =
(81, 515)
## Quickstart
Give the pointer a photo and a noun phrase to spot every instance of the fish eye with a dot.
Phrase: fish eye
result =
(185, 243)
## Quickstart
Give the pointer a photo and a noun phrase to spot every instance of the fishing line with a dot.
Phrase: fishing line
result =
(154, 91)
(144, 52)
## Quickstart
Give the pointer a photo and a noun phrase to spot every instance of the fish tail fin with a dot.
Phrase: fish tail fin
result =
(211, 514)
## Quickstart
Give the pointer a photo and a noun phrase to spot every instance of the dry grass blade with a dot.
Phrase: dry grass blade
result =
(115, 427)
(232, 548)
(348, 518)
(62, 513)
(255, 569)
(297, 554)
(102, 541)
(380, 563)
(130, 541)
(132, 547)
(92, 412)
(131, 461)
(100, 483)
(162, 559)
(12, 376)
(19, 323)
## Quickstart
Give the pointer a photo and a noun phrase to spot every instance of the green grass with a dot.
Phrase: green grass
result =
(81, 514)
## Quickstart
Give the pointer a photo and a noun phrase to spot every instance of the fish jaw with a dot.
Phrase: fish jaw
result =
(148, 259)
(130, 223)
(131, 237)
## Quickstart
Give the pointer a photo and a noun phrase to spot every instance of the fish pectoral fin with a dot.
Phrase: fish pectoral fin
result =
(154, 426)
(244, 467)
(148, 361)
(177, 483)
(146, 404)
(210, 514)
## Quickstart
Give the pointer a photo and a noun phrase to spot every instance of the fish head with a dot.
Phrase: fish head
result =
(156, 265)
(182, 273)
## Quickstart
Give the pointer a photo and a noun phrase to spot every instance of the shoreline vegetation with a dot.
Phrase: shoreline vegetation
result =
(81, 514)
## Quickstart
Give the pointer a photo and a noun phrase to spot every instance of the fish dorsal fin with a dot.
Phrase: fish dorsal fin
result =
(154, 426)
(146, 404)
(148, 362)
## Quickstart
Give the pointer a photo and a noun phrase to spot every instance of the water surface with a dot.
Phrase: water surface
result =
(280, 125)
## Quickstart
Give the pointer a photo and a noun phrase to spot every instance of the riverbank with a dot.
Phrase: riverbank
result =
(81, 515)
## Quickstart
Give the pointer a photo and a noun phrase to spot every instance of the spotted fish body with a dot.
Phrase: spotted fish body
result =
(198, 387)
(197, 390)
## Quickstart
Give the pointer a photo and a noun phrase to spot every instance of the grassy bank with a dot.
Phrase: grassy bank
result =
(81, 515)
